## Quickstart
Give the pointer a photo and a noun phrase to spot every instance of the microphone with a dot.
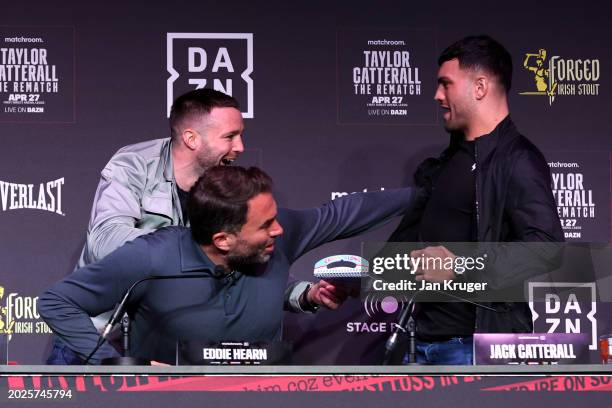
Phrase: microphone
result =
(219, 272)
(406, 320)
(399, 326)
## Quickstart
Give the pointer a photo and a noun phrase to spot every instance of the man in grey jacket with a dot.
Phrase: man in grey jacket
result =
(143, 186)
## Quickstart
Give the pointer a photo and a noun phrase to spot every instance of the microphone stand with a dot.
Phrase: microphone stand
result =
(125, 331)
(217, 273)
(411, 326)
(407, 324)
(126, 359)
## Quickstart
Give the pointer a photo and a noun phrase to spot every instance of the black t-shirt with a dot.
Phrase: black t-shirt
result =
(182, 195)
(449, 216)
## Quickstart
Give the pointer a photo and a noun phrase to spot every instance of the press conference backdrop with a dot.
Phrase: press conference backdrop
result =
(337, 98)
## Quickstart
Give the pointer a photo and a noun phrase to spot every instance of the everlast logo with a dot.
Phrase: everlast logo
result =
(42, 196)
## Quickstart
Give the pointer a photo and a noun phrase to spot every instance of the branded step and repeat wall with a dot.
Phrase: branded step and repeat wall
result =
(337, 98)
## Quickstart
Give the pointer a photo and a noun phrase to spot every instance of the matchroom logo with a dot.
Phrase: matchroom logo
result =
(37, 74)
(555, 76)
(384, 76)
(222, 61)
(581, 188)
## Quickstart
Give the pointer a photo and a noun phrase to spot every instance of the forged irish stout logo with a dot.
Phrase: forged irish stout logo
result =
(555, 76)
(42, 196)
(222, 61)
(6, 323)
(19, 315)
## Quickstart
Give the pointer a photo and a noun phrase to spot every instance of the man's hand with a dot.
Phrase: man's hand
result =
(327, 294)
(437, 258)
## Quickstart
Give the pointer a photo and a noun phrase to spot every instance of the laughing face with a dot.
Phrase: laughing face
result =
(455, 94)
(220, 135)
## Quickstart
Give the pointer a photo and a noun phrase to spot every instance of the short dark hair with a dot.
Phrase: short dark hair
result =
(197, 103)
(481, 51)
(219, 200)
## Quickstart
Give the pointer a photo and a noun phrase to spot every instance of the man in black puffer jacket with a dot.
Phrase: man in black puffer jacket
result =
(490, 185)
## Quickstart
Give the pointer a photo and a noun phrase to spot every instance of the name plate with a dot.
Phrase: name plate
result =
(233, 353)
(531, 348)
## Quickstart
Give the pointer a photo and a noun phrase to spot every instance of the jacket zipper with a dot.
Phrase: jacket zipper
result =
(476, 209)
(476, 171)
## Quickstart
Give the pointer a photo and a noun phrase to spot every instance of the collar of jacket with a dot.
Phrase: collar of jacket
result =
(486, 144)
(166, 160)
(168, 173)
(503, 133)
(193, 259)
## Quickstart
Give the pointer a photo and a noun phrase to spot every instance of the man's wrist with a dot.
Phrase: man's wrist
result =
(305, 304)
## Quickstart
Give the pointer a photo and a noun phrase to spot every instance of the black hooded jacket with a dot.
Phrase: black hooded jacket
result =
(514, 203)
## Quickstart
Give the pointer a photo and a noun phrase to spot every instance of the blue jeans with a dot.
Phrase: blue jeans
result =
(456, 351)
(62, 354)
